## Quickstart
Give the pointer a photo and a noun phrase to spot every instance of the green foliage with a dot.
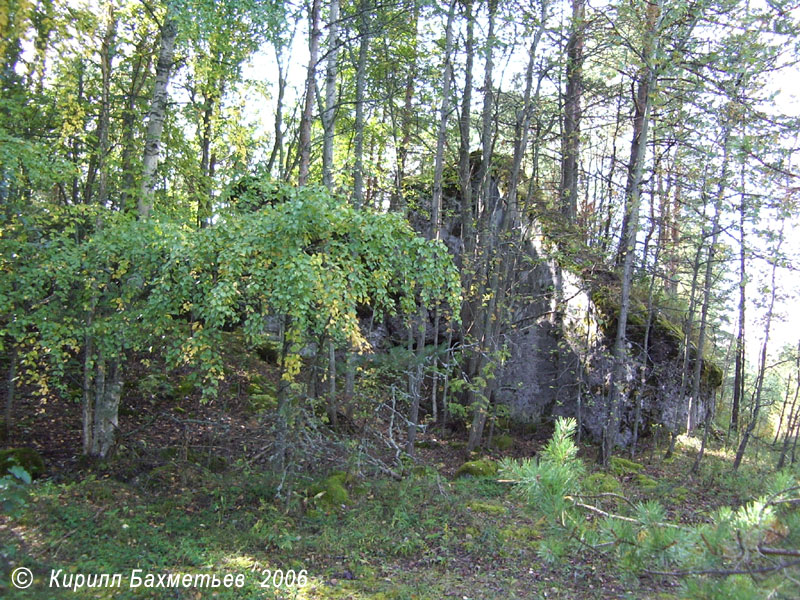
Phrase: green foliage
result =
(88, 274)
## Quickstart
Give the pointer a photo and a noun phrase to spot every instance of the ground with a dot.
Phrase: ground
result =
(190, 492)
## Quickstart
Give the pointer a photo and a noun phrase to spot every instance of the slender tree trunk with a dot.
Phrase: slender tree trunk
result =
(794, 416)
(407, 117)
(329, 114)
(129, 166)
(763, 365)
(488, 204)
(687, 329)
(333, 409)
(630, 229)
(572, 112)
(739, 377)
(308, 106)
(464, 163)
(107, 394)
(277, 146)
(155, 119)
(106, 57)
(99, 157)
(11, 386)
(415, 379)
(361, 82)
(444, 111)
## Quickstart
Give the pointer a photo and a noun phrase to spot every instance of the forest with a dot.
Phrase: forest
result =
(331, 299)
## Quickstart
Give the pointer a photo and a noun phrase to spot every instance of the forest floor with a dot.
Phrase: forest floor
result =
(189, 493)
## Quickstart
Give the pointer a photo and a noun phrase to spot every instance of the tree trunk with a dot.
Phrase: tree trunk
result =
(329, 114)
(107, 393)
(763, 366)
(158, 111)
(333, 409)
(11, 386)
(438, 169)
(630, 229)
(308, 106)
(739, 376)
(416, 375)
(361, 81)
(572, 113)
(464, 163)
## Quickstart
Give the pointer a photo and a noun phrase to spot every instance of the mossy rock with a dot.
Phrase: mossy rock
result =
(645, 482)
(601, 483)
(27, 458)
(331, 491)
(522, 533)
(606, 297)
(483, 467)
(503, 442)
(496, 510)
(623, 466)
(678, 494)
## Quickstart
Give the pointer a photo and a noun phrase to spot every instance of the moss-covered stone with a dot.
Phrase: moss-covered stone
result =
(27, 458)
(523, 533)
(645, 482)
(678, 494)
(497, 510)
(483, 467)
(601, 483)
(331, 491)
(503, 442)
(623, 466)
(606, 296)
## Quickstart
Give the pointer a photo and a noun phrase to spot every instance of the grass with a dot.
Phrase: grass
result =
(425, 537)
(422, 538)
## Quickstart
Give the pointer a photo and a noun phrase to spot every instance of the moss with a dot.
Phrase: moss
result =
(483, 467)
(678, 494)
(601, 483)
(606, 297)
(27, 458)
(645, 482)
(623, 466)
(503, 442)
(488, 508)
(524, 533)
(331, 491)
